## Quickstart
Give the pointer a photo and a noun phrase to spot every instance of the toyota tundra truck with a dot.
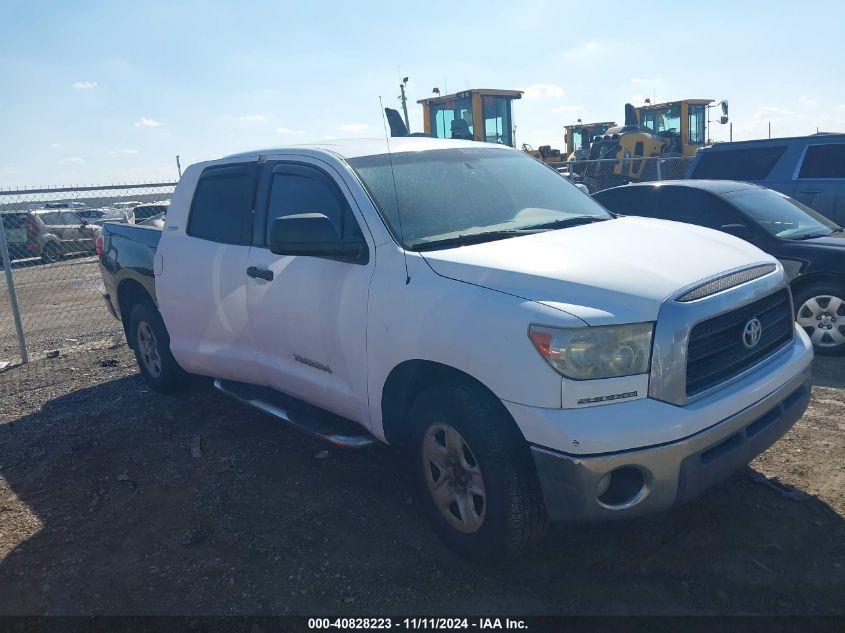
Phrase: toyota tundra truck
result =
(535, 358)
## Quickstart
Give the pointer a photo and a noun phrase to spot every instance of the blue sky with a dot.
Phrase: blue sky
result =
(98, 92)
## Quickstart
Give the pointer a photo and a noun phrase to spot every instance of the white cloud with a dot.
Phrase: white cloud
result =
(805, 100)
(56, 145)
(253, 118)
(71, 160)
(8, 171)
(289, 132)
(85, 85)
(145, 122)
(543, 91)
(123, 152)
(638, 80)
(352, 127)
(328, 137)
(840, 108)
(568, 108)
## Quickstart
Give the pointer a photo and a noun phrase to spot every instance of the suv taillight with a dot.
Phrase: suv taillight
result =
(99, 245)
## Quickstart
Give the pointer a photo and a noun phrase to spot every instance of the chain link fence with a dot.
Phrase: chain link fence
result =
(51, 304)
(612, 172)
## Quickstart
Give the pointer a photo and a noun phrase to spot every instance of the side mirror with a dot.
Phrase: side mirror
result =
(583, 187)
(738, 230)
(313, 235)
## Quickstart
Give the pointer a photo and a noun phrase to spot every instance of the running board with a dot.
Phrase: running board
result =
(299, 415)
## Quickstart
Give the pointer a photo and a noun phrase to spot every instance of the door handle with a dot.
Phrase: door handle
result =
(259, 273)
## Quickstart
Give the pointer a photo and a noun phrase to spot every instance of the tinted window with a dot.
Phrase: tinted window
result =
(303, 190)
(640, 201)
(753, 163)
(780, 215)
(686, 204)
(824, 161)
(222, 206)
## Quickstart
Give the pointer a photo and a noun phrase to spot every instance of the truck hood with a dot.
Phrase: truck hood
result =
(617, 271)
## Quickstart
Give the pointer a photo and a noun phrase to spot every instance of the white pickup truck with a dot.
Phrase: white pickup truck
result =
(537, 358)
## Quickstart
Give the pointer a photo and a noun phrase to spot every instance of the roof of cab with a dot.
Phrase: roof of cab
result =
(355, 148)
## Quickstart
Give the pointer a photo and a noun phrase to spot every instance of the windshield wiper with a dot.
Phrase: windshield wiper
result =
(559, 224)
(812, 236)
(462, 240)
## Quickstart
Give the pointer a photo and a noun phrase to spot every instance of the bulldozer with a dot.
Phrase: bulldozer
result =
(665, 130)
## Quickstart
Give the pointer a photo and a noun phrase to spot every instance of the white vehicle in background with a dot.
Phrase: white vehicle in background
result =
(537, 358)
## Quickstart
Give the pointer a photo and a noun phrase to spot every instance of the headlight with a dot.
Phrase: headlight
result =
(588, 353)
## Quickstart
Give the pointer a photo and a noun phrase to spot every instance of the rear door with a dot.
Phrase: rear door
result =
(201, 273)
(820, 179)
(309, 320)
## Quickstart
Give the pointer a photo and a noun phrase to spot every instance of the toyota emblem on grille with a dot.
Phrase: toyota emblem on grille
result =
(751, 333)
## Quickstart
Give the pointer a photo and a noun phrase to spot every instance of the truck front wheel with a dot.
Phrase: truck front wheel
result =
(478, 484)
(151, 345)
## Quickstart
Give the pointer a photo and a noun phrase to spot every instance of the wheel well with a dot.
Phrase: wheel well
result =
(407, 380)
(799, 283)
(129, 294)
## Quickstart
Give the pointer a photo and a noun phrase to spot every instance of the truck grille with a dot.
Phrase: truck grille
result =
(715, 350)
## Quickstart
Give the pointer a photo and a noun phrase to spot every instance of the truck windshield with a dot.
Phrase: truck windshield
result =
(780, 215)
(449, 195)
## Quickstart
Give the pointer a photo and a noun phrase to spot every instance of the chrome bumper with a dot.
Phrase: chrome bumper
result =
(669, 473)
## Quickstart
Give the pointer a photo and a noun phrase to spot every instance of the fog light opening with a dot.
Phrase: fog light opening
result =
(621, 488)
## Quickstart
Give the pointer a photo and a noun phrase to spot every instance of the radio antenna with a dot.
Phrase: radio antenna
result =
(395, 191)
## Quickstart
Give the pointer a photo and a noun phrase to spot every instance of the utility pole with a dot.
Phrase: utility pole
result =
(404, 101)
(732, 131)
(178, 167)
(770, 129)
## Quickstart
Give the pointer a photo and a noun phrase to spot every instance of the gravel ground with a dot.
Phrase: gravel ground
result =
(104, 510)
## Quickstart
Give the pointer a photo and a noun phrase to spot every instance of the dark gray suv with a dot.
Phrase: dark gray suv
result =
(810, 169)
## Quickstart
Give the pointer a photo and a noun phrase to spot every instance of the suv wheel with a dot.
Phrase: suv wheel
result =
(151, 345)
(477, 480)
(51, 252)
(820, 311)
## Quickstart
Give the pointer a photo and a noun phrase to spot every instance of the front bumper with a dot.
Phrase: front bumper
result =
(670, 473)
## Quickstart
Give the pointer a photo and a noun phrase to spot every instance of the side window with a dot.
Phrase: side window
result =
(640, 201)
(222, 207)
(71, 219)
(824, 161)
(51, 219)
(297, 189)
(752, 163)
(686, 204)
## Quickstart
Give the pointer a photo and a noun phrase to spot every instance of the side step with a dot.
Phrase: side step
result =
(300, 415)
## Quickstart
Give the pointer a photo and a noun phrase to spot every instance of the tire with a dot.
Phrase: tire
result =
(51, 252)
(151, 344)
(509, 514)
(820, 311)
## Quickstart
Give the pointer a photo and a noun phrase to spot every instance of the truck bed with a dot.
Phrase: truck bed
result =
(127, 260)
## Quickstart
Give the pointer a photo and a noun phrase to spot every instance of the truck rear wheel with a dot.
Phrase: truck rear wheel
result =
(151, 345)
(478, 484)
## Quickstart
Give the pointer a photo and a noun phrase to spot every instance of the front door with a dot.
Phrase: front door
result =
(308, 314)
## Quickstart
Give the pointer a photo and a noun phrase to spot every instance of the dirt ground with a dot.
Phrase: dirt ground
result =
(104, 510)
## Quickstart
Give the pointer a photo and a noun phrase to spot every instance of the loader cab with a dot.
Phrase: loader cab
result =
(480, 114)
(683, 124)
(579, 138)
